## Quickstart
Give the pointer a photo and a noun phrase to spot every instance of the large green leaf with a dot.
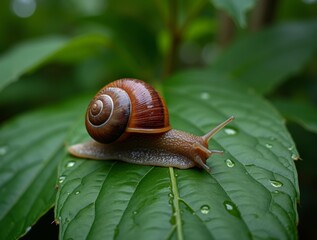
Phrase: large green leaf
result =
(237, 9)
(30, 55)
(304, 114)
(251, 192)
(265, 59)
(30, 148)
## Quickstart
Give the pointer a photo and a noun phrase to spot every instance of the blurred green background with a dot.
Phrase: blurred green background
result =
(150, 40)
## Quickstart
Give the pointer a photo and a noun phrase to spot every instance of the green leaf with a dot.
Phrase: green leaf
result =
(237, 9)
(30, 148)
(81, 47)
(251, 191)
(27, 56)
(304, 114)
(265, 59)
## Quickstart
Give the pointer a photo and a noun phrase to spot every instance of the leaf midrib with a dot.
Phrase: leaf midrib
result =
(176, 200)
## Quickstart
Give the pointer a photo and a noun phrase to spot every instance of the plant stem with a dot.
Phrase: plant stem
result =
(227, 29)
(263, 14)
(175, 39)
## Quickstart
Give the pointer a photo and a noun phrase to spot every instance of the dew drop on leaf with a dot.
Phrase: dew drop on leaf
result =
(204, 96)
(3, 150)
(61, 179)
(276, 183)
(230, 163)
(230, 131)
(70, 164)
(76, 193)
(295, 157)
(268, 145)
(231, 208)
(228, 206)
(204, 209)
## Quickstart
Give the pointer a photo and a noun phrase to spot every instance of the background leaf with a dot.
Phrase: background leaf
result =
(29, 55)
(303, 114)
(30, 148)
(236, 9)
(265, 59)
(251, 192)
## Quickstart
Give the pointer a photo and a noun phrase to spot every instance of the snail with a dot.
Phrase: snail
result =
(129, 121)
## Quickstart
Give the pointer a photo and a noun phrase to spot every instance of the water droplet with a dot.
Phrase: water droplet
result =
(295, 157)
(135, 212)
(291, 148)
(70, 164)
(230, 163)
(276, 192)
(28, 229)
(204, 209)
(204, 96)
(228, 206)
(268, 145)
(231, 208)
(230, 131)
(76, 193)
(61, 179)
(171, 195)
(3, 150)
(276, 183)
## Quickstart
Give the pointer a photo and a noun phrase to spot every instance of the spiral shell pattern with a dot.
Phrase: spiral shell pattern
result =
(126, 106)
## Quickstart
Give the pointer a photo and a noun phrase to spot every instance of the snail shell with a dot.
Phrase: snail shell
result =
(126, 106)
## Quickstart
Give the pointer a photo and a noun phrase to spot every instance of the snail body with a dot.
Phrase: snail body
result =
(144, 135)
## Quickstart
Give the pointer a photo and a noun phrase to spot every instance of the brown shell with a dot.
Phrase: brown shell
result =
(126, 105)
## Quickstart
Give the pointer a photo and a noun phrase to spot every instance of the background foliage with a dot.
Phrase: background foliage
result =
(56, 54)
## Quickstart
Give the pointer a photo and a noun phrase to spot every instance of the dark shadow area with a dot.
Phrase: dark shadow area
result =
(45, 228)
